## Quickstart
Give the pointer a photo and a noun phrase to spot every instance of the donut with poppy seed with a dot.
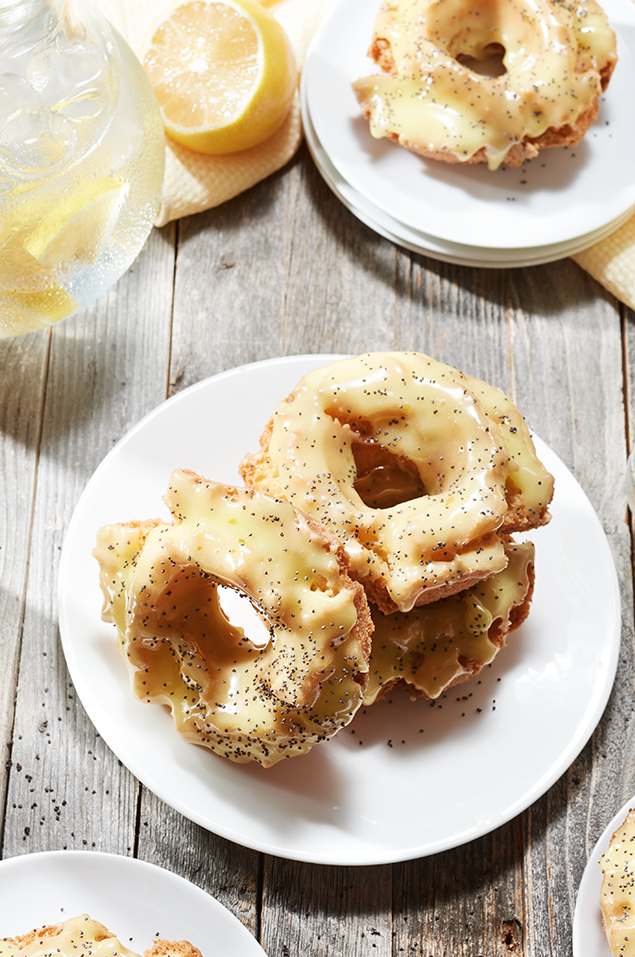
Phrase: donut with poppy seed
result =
(244, 700)
(442, 644)
(436, 98)
(420, 470)
(82, 937)
(617, 897)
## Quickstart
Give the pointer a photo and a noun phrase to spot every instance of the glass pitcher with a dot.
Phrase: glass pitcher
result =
(82, 156)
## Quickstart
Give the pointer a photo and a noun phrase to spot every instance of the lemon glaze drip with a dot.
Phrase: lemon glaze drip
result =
(245, 701)
(467, 441)
(432, 646)
(554, 52)
(77, 937)
(617, 899)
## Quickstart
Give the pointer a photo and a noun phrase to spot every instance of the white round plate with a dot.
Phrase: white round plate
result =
(557, 197)
(405, 779)
(138, 902)
(588, 934)
(419, 242)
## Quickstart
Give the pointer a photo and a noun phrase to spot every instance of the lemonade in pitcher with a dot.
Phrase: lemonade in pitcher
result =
(81, 159)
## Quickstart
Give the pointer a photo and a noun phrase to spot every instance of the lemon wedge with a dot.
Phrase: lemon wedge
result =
(24, 310)
(30, 294)
(50, 304)
(79, 224)
(223, 71)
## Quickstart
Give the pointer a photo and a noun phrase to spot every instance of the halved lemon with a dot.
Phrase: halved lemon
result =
(223, 71)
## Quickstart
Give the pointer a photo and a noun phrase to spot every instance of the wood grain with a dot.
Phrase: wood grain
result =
(284, 269)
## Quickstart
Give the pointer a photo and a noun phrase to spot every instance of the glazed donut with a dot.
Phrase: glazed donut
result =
(456, 450)
(83, 935)
(558, 57)
(442, 644)
(245, 701)
(617, 897)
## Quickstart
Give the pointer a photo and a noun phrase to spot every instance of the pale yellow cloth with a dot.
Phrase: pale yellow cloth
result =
(194, 182)
(612, 262)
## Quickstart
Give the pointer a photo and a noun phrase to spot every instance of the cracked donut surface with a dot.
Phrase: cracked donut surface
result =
(246, 701)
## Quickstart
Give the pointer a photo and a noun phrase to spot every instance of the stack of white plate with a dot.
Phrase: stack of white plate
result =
(554, 206)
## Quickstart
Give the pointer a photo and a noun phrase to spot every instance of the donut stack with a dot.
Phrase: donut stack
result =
(423, 473)
(374, 539)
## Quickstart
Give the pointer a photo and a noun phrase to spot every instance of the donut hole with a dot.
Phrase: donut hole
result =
(387, 486)
(385, 480)
(475, 41)
(240, 611)
(489, 61)
(193, 605)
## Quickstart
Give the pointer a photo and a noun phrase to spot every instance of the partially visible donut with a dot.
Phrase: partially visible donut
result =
(458, 449)
(244, 701)
(558, 56)
(437, 646)
(84, 936)
(617, 897)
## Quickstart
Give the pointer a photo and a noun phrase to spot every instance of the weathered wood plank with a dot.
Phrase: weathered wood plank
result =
(229, 288)
(278, 271)
(23, 363)
(225, 870)
(313, 909)
(466, 901)
(340, 284)
(107, 367)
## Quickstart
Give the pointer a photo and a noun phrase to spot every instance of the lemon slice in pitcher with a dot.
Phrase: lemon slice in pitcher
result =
(223, 71)
(30, 294)
(78, 225)
(28, 309)
(50, 304)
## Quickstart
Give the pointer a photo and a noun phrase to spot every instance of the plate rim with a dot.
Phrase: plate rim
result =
(299, 853)
(590, 881)
(541, 254)
(90, 858)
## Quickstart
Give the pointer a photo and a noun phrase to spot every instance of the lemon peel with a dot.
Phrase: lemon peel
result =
(223, 71)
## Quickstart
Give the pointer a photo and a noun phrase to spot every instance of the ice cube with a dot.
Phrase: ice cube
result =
(15, 92)
(35, 140)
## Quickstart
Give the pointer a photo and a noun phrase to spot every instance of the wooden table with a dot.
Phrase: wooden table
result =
(282, 270)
